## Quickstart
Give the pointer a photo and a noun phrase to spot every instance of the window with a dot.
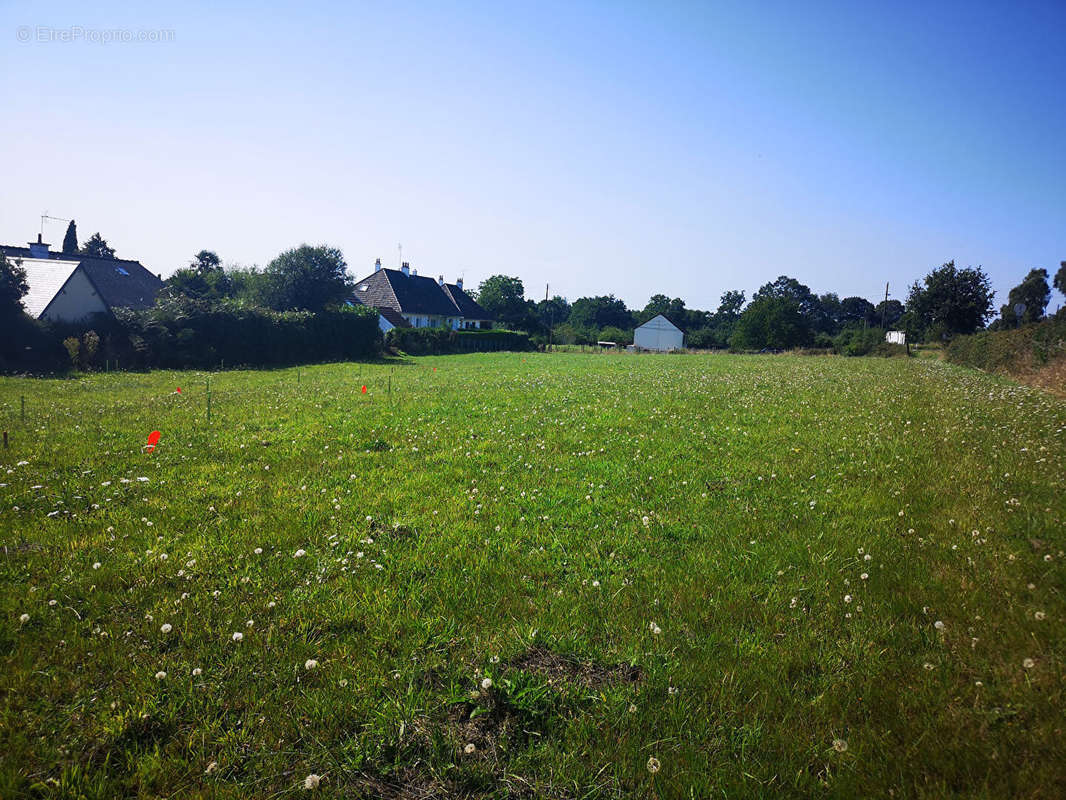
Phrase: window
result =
(121, 271)
(364, 287)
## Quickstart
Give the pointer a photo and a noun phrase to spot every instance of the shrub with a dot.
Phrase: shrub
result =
(858, 341)
(73, 350)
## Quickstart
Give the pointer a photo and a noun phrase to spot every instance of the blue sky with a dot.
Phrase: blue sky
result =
(681, 148)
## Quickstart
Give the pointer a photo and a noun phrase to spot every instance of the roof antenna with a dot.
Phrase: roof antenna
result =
(45, 216)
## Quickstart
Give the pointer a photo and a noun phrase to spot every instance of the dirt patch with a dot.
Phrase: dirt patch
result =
(395, 533)
(566, 669)
(408, 784)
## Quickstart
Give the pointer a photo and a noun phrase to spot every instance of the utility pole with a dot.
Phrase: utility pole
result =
(884, 310)
(551, 319)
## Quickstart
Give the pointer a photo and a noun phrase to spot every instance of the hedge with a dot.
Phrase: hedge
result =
(1011, 351)
(441, 341)
(180, 333)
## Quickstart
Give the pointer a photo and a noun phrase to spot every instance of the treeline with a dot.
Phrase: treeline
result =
(783, 314)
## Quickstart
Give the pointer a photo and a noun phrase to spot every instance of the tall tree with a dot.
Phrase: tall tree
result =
(857, 311)
(791, 288)
(555, 311)
(504, 298)
(673, 310)
(770, 322)
(306, 277)
(951, 301)
(206, 261)
(731, 304)
(600, 312)
(1060, 277)
(97, 247)
(70, 240)
(1033, 293)
(887, 313)
(13, 287)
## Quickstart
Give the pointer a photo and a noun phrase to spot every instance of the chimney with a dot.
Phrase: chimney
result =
(440, 280)
(405, 268)
(414, 272)
(39, 249)
(377, 265)
(459, 282)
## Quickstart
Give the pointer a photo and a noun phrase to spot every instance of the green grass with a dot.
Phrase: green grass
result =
(792, 527)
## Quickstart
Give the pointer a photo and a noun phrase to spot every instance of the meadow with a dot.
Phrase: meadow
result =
(534, 575)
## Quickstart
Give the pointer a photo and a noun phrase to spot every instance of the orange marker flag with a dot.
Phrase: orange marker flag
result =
(153, 438)
(364, 388)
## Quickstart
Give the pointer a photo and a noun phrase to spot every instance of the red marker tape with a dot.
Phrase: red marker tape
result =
(364, 389)
(434, 369)
(179, 390)
(153, 437)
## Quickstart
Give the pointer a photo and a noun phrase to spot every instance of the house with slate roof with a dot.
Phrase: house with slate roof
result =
(70, 287)
(404, 298)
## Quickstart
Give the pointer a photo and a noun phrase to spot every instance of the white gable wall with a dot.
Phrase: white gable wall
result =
(75, 301)
(660, 334)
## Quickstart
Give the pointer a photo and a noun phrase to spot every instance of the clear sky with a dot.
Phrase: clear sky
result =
(681, 148)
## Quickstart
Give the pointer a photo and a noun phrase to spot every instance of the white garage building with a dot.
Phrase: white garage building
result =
(658, 333)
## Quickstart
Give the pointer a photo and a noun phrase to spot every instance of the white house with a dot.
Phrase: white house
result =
(74, 287)
(896, 337)
(660, 334)
(417, 301)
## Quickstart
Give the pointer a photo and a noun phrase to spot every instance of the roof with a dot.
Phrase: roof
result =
(120, 282)
(660, 323)
(393, 316)
(466, 304)
(45, 277)
(415, 294)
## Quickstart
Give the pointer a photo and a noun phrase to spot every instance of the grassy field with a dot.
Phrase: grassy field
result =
(570, 576)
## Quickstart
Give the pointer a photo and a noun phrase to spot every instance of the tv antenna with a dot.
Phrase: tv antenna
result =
(45, 216)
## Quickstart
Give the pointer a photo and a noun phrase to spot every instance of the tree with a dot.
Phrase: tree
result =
(97, 247)
(673, 310)
(70, 240)
(212, 285)
(551, 312)
(951, 301)
(616, 335)
(887, 313)
(775, 323)
(1033, 293)
(311, 278)
(1060, 277)
(504, 298)
(731, 304)
(858, 311)
(790, 288)
(600, 312)
(206, 261)
(13, 286)
(827, 314)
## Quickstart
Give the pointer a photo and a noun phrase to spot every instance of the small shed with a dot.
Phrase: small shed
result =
(660, 334)
(896, 337)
